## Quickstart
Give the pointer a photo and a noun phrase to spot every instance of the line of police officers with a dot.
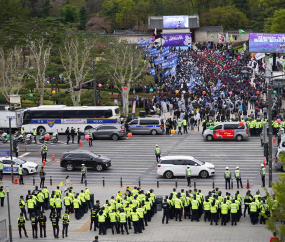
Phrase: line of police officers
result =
(215, 206)
(134, 208)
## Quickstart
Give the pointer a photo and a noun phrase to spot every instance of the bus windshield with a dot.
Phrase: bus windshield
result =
(27, 117)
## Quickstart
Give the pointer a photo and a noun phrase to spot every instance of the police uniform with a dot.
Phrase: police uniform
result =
(262, 173)
(21, 225)
(42, 176)
(54, 220)
(157, 153)
(42, 222)
(1, 170)
(83, 172)
(65, 223)
(90, 138)
(21, 180)
(227, 177)
(238, 177)
(188, 176)
(2, 196)
(34, 223)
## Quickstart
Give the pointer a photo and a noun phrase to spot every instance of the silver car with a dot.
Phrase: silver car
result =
(113, 131)
(280, 151)
(147, 126)
(227, 130)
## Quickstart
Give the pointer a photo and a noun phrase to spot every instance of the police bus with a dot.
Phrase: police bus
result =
(56, 118)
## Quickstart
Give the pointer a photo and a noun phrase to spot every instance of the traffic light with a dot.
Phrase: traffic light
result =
(98, 94)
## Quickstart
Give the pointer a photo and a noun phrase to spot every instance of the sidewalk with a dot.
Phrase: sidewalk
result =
(156, 231)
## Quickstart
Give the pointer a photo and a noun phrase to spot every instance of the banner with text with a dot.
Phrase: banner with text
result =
(266, 43)
(176, 40)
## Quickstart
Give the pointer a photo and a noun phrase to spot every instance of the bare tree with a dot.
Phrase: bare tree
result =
(11, 72)
(74, 56)
(41, 54)
(125, 68)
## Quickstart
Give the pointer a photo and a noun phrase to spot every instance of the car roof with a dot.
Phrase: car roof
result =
(115, 125)
(171, 157)
(78, 151)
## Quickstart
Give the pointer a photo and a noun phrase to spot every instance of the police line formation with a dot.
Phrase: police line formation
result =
(135, 209)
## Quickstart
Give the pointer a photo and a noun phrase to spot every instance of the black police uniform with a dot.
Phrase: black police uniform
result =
(54, 219)
(42, 222)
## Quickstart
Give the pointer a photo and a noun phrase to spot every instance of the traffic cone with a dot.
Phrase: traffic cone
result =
(16, 180)
(248, 185)
(264, 162)
(80, 145)
(274, 141)
(44, 163)
(53, 159)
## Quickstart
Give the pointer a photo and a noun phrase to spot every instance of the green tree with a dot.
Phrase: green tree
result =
(69, 14)
(275, 24)
(229, 17)
(87, 98)
(83, 17)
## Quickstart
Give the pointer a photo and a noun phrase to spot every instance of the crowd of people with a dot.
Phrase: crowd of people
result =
(133, 209)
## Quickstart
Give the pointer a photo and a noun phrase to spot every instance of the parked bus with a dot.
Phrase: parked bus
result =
(52, 118)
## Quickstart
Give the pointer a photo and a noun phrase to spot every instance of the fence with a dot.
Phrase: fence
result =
(3, 230)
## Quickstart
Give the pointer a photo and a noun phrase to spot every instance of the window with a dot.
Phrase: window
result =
(99, 114)
(74, 156)
(27, 117)
(166, 162)
(179, 162)
(117, 111)
(110, 127)
(233, 126)
(85, 114)
(69, 114)
(101, 128)
(108, 113)
(190, 162)
(85, 156)
(218, 127)
(148, 122)
(54, 114)
(7, 162)
(39, 114)
(134, 122)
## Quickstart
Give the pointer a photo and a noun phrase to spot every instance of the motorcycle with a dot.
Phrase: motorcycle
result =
(3, 137)
(28, 138)
(19, 137)
(45, 137)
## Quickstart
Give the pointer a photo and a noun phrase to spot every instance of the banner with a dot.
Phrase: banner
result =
(266, 43)
(159, 60)
(172, 56)
(258, 56)
(166, 73)
(141, 41)
(165, 65)
(173, 71)
(176, 40)
(152, 72)
(165, 51)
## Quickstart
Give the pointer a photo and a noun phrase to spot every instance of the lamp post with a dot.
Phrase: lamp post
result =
(94, 83)
(11, 154)
(9, 216)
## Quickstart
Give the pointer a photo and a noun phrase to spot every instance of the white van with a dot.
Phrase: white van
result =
(170, 166)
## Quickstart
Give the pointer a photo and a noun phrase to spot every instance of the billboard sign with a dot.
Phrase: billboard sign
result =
(177, 21)
(266, 43)
(176, 40)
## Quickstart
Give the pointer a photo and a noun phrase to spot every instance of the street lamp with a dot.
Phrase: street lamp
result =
(10, 226)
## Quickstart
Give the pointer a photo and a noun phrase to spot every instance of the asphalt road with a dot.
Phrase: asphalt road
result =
(133, 159)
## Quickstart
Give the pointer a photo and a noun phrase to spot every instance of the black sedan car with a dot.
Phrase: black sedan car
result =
(74, 159)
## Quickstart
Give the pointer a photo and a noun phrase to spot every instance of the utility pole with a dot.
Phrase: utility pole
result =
(134, 72)
(270, 130)
(94, 83)
(11, 154)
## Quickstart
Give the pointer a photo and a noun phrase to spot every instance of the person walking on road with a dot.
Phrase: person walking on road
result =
(179, 123)
(83, 172)
(157, 153)
(44, 151)
(17, 150)
(68, 184)
(67, 133)
(21, 180)
(238, 177)
(90, 138)
(188, 176)
(2, 196)
(35, 134)
(227, 177)
(72, 131)
(262, 174)
(43, 177)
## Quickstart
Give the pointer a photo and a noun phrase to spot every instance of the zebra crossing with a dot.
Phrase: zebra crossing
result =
(134, 160)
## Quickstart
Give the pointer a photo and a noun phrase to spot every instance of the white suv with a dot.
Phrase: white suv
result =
(170, 166)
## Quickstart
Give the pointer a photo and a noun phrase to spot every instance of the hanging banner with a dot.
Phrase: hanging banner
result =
(266, 43)
(176, 40)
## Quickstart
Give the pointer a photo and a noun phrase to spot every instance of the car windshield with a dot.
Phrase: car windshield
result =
(199, 161)
(19, 161)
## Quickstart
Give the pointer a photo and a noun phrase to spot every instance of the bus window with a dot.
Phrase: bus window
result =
(85, 114)
(54, 114)
(27, 117)
(69, 114)
(108, 113)
(99, 113)
(39, 114)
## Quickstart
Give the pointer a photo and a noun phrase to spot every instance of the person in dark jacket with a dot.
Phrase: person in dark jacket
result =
(165, 207)
(67, 133)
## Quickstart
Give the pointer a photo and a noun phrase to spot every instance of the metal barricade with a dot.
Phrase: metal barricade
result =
(3, 230)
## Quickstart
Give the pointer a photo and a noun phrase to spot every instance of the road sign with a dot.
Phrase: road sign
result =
(4, 153)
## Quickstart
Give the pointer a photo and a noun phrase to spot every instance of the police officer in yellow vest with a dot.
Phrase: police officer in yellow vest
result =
(224, 212)
(234, 209)
(21, 225)
(65, 223)
(22, 130)
(83, 172)
(184, 123)
(253, 211)
(90, 138)
(2, 196)
(238, 177)
(262, 173)
(157, 153)
(188, 176)
(179, 123)
(135, 219)
(101, 219)
(21, 180)
(35, 134)
(227, 177)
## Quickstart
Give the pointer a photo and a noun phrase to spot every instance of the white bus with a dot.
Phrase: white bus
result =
(52, 118)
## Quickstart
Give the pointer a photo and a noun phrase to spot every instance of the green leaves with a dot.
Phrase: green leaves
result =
(276, 24)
